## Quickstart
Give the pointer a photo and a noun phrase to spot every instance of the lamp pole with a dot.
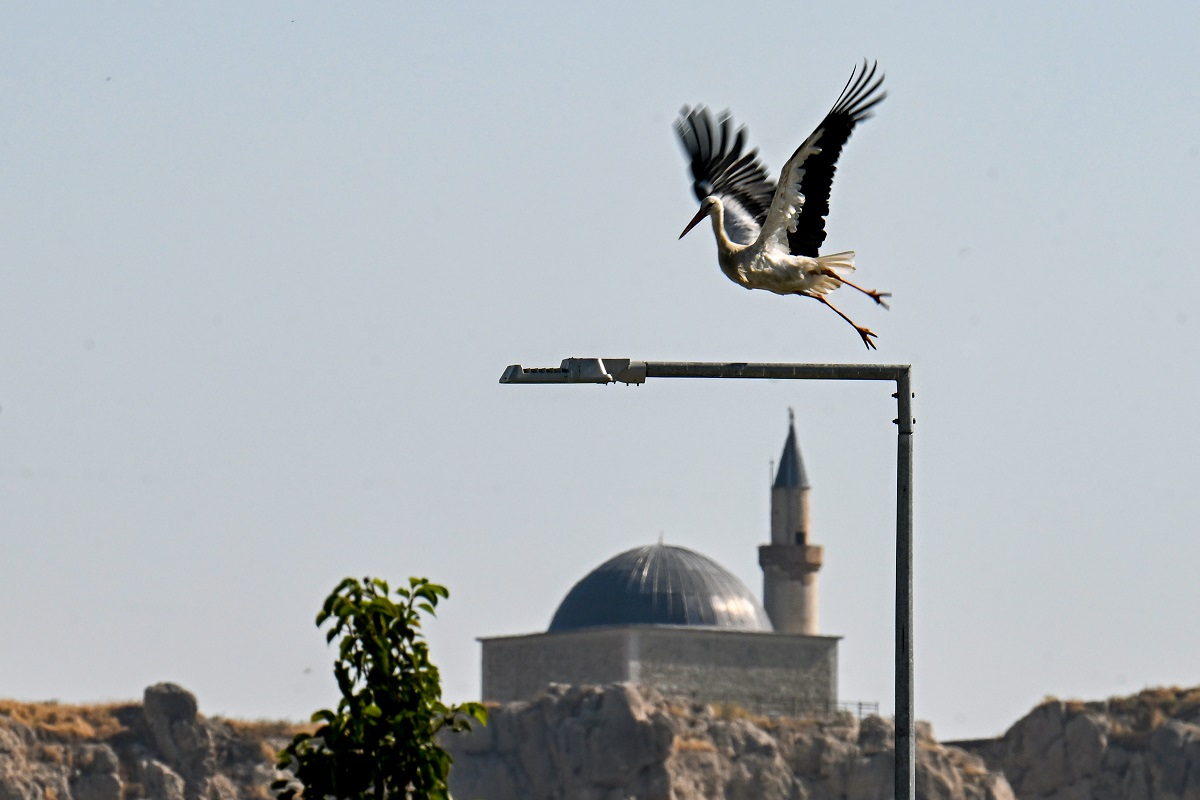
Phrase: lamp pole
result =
(623, 370)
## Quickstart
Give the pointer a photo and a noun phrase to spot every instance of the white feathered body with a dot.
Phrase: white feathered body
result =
(767, 264)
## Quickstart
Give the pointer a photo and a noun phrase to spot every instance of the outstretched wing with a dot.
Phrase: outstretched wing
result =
(719, 168)
(814, 162)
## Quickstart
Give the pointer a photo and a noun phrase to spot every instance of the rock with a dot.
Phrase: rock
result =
(1125, 749)
(871, 777)
(489, 777)
(1039, 747)
(761, 779)
(181, 737)
(217, 787)
(161, 750)
(97, 773)
(160, 782)
(637, 738)
(1085, 738)
(29, 768)
(876, 735)
(166, 705)
(1137, 782)
(620, 741)
(1170, 765)
(11, 746)
(1079, 790)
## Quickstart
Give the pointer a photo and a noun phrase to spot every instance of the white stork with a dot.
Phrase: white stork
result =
(768, 235)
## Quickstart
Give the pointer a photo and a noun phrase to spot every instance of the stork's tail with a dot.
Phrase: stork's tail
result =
(835, 263)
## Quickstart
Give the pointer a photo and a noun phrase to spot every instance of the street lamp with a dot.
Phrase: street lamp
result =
(623, 370)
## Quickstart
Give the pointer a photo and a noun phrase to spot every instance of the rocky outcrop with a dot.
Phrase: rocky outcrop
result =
(1142, 747)
(160, 750)
(23, 777)
(97, 773)
(621, 741)
(187, 746)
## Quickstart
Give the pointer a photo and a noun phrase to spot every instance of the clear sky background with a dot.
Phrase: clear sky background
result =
(261, 266)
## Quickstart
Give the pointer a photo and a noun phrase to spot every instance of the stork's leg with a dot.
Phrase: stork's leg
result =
(876, 296)
(863, 332)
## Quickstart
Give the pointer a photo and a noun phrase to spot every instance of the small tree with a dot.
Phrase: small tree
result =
(380, 743)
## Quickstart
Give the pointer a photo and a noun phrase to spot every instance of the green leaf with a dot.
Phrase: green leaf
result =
(476, 710)
(382, 734)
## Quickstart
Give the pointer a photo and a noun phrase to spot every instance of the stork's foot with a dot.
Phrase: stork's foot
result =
(871, 293)
(866, 334)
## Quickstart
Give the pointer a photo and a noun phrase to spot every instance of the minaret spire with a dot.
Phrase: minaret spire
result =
(790, 562)
(791, 467)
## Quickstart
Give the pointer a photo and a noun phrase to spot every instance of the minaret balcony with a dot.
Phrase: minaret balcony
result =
(794, 559)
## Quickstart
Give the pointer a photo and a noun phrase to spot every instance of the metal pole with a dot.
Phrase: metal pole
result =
(595, 370)
(834, 372)
(906, 763)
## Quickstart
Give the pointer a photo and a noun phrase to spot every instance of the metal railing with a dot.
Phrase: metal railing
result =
(800, 708)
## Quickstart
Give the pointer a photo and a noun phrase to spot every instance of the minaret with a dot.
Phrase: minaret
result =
(790, 563)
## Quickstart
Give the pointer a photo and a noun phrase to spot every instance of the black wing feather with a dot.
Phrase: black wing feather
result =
(855, 104)
(718, 165)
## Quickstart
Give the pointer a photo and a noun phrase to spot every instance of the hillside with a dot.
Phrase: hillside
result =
(606, 743)
(1140, 747)
(602, 743)
(160, 748)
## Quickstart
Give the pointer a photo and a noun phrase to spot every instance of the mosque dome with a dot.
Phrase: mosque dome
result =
(660, 585)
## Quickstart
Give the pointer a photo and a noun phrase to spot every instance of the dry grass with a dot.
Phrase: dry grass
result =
(263, 738)
(1145, 709)
(65, 722)
(801, 723)
(731, 711)
(266, 728)
(58, 727)
(257, 792)
(1171, 701)
(1137, 716)
(693, 745)
(1128, 738)
(677, 709)
(51, 753)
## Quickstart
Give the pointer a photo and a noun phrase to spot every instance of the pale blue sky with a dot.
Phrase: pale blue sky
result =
(263, 265)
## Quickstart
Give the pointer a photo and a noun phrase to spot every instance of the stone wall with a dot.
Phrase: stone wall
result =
(762, 672)
(786, 673)
(518, 667)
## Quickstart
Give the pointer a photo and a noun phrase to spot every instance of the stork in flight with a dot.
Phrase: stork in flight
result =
(768, 235)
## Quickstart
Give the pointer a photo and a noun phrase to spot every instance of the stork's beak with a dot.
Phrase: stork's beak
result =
(701, 214)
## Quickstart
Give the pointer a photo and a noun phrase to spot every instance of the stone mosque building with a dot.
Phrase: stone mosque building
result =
(670, 618)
